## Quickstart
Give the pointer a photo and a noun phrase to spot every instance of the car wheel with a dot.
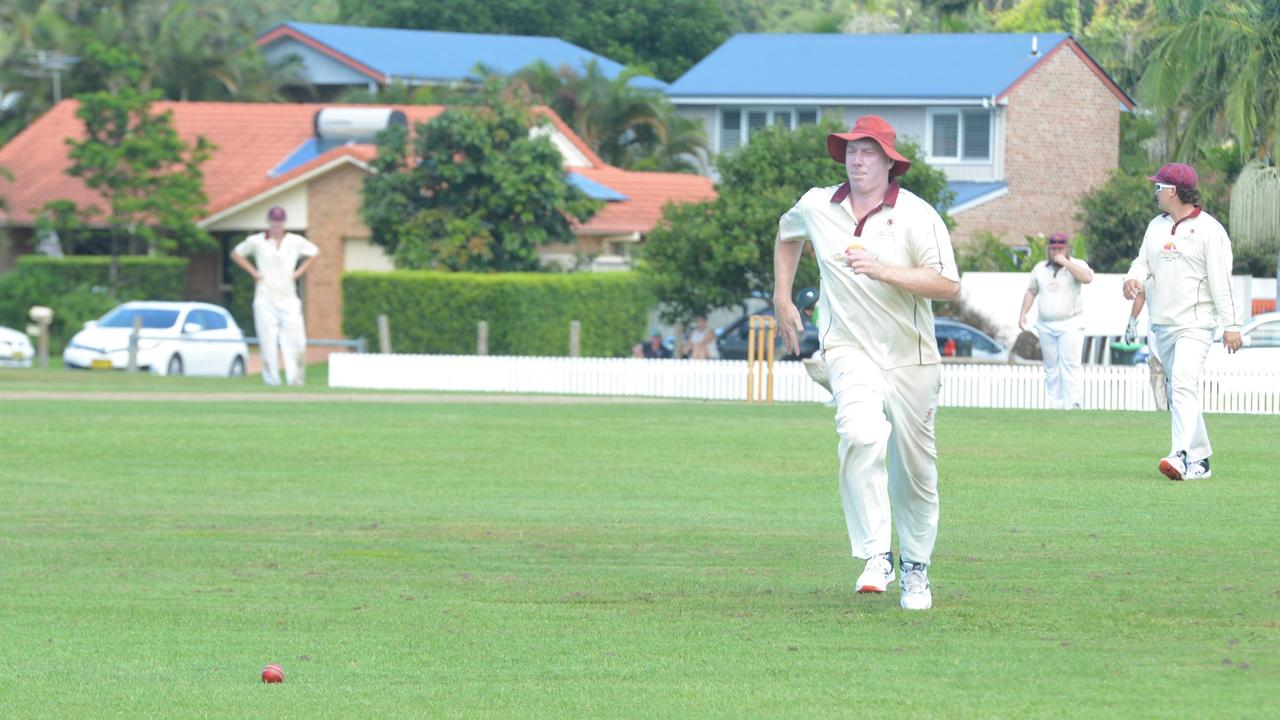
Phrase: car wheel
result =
(237, 367)
(175, 366)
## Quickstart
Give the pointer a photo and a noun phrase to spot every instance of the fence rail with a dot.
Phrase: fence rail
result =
(963, 384)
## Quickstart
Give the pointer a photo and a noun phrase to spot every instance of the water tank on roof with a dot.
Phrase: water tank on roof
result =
(355, 124)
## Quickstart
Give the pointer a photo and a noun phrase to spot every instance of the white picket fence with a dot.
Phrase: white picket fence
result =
(963, 385)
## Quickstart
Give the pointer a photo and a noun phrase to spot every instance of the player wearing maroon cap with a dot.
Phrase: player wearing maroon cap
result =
(1055, 283)
(277, 310)
(1185, 266)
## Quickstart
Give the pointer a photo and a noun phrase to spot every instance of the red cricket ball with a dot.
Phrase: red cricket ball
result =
(273, 673)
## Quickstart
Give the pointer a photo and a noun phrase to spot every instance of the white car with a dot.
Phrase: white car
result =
(15, 349)
(177, 338)
(1260, 352)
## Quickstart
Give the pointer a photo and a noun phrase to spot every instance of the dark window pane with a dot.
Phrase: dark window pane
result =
(123, 318)
(977, 135)
(946, 129)
(215, 320)
(730, 128)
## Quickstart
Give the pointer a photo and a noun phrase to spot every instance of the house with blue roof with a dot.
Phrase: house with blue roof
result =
(339, 57)
(1023, 125)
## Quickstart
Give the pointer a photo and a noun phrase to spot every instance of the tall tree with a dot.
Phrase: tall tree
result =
(149, 178)
(187, 49)
(714, 254)
(474, 190)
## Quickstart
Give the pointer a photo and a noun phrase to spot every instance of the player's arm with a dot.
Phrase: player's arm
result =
(786, 259)
(1027, 299)
(243, 262)
(305, 266)
(1078, 269)
(923, 281)
(1138, 273)
(1218, 261)
(934, 275)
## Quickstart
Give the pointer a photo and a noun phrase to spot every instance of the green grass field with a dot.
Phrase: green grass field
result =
(444, 559)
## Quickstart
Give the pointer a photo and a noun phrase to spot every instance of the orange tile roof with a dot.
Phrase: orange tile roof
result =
(646, 193)
(253, 138)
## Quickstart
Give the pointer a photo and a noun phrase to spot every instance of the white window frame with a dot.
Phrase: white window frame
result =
(959, 158)
(771, 113)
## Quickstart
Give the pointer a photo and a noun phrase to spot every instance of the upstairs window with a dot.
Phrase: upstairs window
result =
(960, 134)
(737, 124)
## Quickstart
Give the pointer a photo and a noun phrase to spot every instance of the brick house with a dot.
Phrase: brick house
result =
(280, 154)
(1022, 125)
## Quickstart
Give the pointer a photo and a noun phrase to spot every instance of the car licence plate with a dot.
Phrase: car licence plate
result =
(100, 364)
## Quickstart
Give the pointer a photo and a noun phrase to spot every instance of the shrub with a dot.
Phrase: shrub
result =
(528, 313)
(76, 288)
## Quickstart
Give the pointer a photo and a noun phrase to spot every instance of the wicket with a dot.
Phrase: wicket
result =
(761, 337)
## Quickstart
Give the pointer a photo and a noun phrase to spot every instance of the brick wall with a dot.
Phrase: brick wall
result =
(1062, 140)
(333, 201)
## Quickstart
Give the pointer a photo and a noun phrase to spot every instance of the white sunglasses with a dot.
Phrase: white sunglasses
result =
(1165, 186)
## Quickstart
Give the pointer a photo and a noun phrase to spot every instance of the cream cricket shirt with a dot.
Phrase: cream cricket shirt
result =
(277, 264)
(893, 326)
(1186, 267)
(1057, 295)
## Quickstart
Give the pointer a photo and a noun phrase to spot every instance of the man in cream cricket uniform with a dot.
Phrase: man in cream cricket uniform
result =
(882, 253)
(1185, 265)
(277, 311)
(1055, 283)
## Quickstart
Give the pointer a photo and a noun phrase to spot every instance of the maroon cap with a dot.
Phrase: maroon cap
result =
(875, 128)
(276, 213)
(1184, 176)
(1058, 238)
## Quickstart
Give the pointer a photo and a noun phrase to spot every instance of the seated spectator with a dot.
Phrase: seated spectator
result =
(655, 349)
(702, 341)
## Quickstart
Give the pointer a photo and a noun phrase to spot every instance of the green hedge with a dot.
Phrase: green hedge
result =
(76, 288)
(528, 313)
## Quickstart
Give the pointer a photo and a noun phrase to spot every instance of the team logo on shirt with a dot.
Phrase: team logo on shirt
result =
(1170, 251)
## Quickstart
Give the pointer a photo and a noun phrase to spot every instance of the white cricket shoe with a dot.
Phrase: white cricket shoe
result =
(875, 578)
(1198, 470)
(1174, 467)
(915, 587)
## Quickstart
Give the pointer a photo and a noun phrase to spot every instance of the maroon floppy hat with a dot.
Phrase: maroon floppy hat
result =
(875, 128)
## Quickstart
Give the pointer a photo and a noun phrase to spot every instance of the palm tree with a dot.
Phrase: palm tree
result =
(626, 126)
(1216, 69)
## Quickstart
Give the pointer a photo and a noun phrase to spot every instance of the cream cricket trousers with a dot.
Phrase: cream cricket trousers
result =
(1183, 352)
(888, 455)
(281, 331)
(1062, 345)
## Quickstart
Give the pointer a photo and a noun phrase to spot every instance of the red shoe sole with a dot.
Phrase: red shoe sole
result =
(870, 589)
(1169, 470)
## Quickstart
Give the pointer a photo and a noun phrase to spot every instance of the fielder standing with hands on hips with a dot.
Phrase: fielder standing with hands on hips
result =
(1185, 264)
(883, 253)
(277, 310)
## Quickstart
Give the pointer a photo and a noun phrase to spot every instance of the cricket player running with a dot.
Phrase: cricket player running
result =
(1185, 265)
(883, 253)
(277, 310)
